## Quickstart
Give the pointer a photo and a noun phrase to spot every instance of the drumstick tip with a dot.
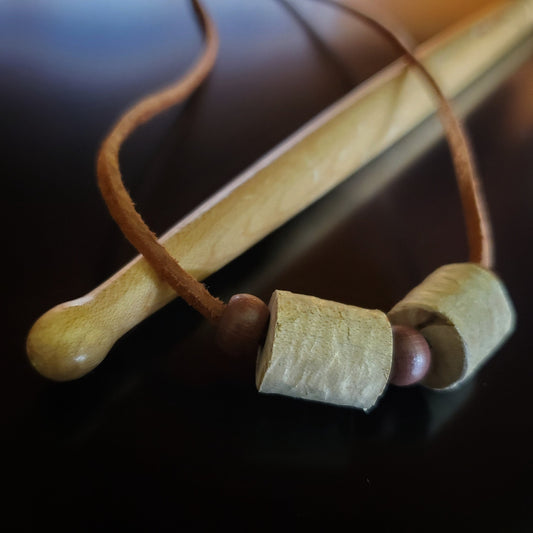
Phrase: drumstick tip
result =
(67, 342)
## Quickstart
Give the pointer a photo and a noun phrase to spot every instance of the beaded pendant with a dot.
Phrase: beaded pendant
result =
(331, 352)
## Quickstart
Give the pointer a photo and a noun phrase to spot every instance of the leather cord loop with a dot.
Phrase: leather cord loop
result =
(191, 290)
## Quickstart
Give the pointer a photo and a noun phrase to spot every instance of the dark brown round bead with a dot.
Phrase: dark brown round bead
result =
(243, 325)
(411, 356)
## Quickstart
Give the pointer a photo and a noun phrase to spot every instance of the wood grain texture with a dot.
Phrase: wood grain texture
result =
(465, 314)
(72, 338)
(325, 351)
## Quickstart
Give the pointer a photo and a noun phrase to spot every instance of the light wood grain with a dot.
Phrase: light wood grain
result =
(72, 338)
(465, 314)
(325, 351)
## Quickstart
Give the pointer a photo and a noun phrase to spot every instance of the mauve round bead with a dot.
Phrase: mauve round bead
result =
(243, 325)
(411, 356)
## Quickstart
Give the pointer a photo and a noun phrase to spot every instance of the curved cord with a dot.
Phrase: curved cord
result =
(191, 290)
(478, 227)
(116, 196)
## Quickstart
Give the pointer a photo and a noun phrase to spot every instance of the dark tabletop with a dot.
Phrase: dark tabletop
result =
(169, 433)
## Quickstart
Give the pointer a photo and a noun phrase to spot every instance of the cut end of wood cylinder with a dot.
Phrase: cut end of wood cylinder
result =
(65, 343)
(465, 314)
(325, 351)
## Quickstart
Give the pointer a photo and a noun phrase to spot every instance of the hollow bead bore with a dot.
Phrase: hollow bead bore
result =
(411, 356)
(243, 325)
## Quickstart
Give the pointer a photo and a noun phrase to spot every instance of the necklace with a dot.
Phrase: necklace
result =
(439, 334)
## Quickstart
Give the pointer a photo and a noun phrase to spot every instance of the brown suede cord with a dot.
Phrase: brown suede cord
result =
(478, 227)
(117, 198)
(191, 290)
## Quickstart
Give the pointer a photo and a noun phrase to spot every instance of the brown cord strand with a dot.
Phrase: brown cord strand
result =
(191, 290)
(119, 201)
(478, 227)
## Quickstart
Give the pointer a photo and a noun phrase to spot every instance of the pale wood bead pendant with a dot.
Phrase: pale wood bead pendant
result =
(325, 351)
(464, 312)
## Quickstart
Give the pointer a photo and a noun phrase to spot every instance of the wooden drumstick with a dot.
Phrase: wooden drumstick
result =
(74, 337)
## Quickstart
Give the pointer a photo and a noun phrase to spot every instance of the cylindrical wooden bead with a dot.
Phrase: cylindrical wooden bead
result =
(325, 351)
(464, 312)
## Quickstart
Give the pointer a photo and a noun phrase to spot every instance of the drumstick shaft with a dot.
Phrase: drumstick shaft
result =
(72, 338)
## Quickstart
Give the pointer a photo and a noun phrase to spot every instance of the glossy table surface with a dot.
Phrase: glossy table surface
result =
(168, 433)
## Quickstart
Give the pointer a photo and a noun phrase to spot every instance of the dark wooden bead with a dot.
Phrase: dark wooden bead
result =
(411, 356)
(243, 325)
